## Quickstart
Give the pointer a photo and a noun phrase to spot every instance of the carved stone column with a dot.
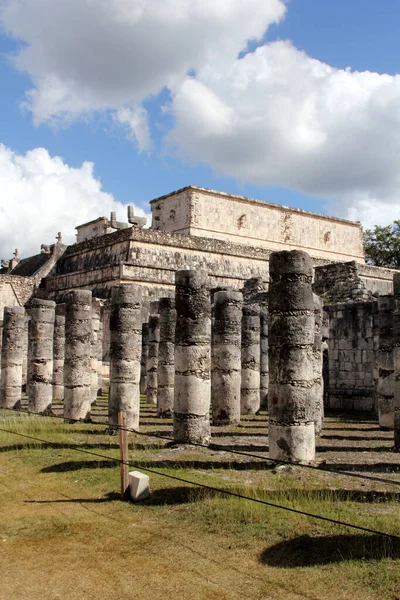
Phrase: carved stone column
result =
(192, 357)
(40, 353)
(291, 337)
(59, 353)
(152, 359)
(125, 349)
(385, 364)
(317, 355)
(251, 353)
(226, 357)
(166, 357)
(145, 355)
(12, 355)
(396, 356)
(77, 369)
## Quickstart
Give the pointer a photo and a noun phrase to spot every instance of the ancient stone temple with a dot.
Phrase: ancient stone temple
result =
(230, 238)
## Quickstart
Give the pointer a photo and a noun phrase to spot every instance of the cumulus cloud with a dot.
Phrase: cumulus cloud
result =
(41, 195)
(275, 116)
(86, 55)
(137, 125)
(278, 116)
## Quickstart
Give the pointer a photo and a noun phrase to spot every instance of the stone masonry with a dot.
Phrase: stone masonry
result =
(40, 353)
(226, 357)
(291, 336)
(192, 358)
(166, 358)
(125, 349)
(13, 348)
(77, 369)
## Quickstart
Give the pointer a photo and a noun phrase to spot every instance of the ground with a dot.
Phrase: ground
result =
(65, 533)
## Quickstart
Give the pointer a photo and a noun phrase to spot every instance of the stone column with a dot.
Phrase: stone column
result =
(12, 355)
(100, 360)
(226, 357)
(291, 337)
(251, 353)
(396, 361)
(166, 357)
(59, 353)
(143, 361)
(192, 358)
(385, 364)
(317, 361)
(152, 359)
(125, 348)
(25, 362)
(264, 362)
(94, 348)
(77, 371)
(40, 353)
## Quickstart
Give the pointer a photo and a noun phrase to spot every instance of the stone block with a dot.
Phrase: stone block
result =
(139, 486)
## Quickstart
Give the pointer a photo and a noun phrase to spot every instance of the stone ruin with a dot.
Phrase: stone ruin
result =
(218, 311)
(197, 356)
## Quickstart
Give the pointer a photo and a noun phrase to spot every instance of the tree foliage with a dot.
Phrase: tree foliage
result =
(382, 245)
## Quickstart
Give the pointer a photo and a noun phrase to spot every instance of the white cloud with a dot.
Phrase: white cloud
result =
(278, 116)
(41, 195)
(274, 117)
(87, 55)
(137, 124)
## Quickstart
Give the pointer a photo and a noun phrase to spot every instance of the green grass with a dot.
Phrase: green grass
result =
(61, 521)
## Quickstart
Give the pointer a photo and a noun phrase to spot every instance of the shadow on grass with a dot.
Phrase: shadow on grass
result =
(79, 465)
(178, 495)
(370, 449)
(307, 551)
(110, 497)
(381, 467)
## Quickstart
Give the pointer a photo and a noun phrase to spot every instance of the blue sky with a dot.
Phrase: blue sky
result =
(360, 34)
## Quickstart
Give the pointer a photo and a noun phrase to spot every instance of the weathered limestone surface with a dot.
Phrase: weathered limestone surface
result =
(250, 356)
(226, 357)
(192, 358)
(40, 352)
(152, 359)
(166, 357)
(291, 337)
(59, 353)
(264, 361)
(125, 349)
(94, 348)
(77, 369)
(351, 355)
(100, 359)
(385, 364)
(12, 356)
(318, 387)
(396, 356)
(144, 357)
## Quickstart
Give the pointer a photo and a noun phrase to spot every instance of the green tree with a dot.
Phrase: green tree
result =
(382, 245)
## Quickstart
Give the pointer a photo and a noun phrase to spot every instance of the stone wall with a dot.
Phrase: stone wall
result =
(341, 282)
(351, 355)
(207, 213)
(14, 291)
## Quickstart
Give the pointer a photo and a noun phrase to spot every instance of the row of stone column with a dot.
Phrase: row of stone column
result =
(63, 351)
(189, 362)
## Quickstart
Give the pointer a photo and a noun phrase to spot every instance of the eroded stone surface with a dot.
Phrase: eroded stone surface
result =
(152, 359)
(40, 355)
(13, 348)
(192, 358)
(384, 362)
(291, 358)
(226, 357)
(396, 360)
(166, 357)
(59, 352)
(77, 364)
(125, 353)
